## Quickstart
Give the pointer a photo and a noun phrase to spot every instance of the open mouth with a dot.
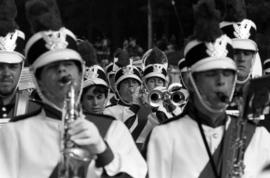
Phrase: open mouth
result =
(65, 80)
(240, 67)
(222, 97)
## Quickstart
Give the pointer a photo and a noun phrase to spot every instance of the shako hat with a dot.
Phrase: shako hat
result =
(95, 75)
(11, 38)
(208, 49)
(51, 42)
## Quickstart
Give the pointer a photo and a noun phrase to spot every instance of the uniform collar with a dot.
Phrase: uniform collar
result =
(5, 109)
(50, 111)
(205, 120)
(120, 102)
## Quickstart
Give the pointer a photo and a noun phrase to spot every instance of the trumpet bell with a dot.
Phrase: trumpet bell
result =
(155, 98)
(179, 95)
(177, 98)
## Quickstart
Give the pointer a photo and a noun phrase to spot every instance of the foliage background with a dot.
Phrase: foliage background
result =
(120, 19)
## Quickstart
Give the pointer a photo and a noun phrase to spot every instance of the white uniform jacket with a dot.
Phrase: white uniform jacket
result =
(30, 148)
(177, 150)
(19, 105)
(153, 121)
(126, 114)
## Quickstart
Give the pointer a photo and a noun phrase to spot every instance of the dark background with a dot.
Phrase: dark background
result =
(119, 19)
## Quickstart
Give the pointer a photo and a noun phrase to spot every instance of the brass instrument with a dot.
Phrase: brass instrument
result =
(73, 157)
(175, 92)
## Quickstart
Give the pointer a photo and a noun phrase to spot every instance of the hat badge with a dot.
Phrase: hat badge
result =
(91, 73)
(242, 30)
(128, 70)
(158, 68)
(8, 42)
(218, 48)
(55, 39)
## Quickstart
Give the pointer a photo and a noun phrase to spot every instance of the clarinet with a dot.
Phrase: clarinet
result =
(72, 156)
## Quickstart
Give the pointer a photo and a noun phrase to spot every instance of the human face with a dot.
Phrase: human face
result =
(154, 82)
(94, 102)
(51, 80)
(128, 88)
(243, 60)
(9, 77)
(215, 86)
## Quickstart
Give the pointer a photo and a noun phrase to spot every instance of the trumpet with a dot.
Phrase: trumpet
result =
(175, 93)
(73, 157)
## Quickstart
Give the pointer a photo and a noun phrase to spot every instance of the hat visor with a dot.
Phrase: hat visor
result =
(212, 63)
(56, 55)
(11, 57)
(127, 77)
(155, 74)
(244, 44)
(96, 81)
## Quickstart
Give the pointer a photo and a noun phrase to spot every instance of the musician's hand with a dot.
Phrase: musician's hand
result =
(84, 133)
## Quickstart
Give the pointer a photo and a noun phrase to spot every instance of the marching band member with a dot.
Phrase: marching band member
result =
(242, 31)
(201, 141)
(155, 72)
(94, 98)
(36, 148)
(12, 102)
(155, 77)
(127, 85)
(95, 91)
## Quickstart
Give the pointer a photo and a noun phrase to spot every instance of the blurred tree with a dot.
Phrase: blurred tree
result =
(120, 19)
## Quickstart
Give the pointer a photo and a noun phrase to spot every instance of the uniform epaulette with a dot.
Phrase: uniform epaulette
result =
(102, 122)
(110, 105)
(174, 118)
(25, 116)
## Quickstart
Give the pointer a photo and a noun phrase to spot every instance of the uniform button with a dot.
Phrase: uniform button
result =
(4, 109)
(5, 115)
